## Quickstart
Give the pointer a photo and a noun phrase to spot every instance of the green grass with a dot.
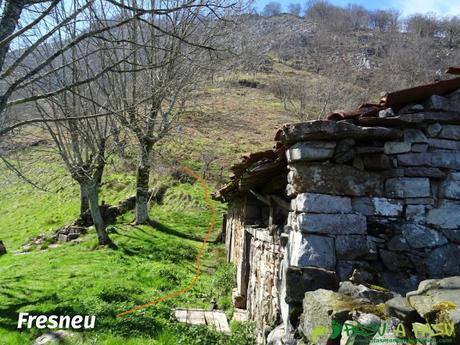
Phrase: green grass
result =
(84, 279)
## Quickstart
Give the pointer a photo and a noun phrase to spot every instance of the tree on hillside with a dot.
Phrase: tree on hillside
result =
(273, 8)
(294, 9)
(359, 16)
(319, 10)
(77, 119)
(168, 58)
(451, 28)
(380, 20)
(423, 25)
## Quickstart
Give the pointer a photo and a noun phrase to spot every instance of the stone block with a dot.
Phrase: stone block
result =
(424, 172)
(450, 132)
(446, 159)
(408, 187)
(394, 261)
(344, 151)
(452, 235)
(441, 103)
(387, 207)
(388, 112)
(312, 250)
(322, 203)
(414, 159)
(310, 151)
(400, 282)
(445, 216)
(63, 238)
(419, 148)
(320, 307)
(377, 162)
(416, 213)
(414, 136)
(363, 205)
(368, 149)
(377, 206)
(334, 179)
(327, 130)
(399, 307)
(411, 108)
(419, 201)
(398, 243)
(444, 144)
(443, 261)
(360, 291)
(433, 130)
(394, 147)
(332, 223)
(450, 188)
(419, 236)
(350, 247)
(300, 280)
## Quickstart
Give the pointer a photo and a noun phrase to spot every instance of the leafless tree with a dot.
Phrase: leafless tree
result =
(423, 25)
(170, 55)
(359, 16)
(273, 8)
(319, 10)
(295, 9)
(76, 119)
(451, 28)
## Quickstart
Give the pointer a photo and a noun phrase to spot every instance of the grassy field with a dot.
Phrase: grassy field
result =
(79, 278)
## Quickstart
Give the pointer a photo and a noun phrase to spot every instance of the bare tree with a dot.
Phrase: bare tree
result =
(273, 8)
(380, 19)
(295, 9)
(359, 16)
(169, 56)
(423, 25)
(451, 28)
(319, 10)
(81, 125)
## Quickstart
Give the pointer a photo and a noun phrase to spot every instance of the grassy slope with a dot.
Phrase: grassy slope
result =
(79, 278)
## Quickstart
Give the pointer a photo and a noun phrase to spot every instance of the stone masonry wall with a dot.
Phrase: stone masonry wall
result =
(373, 204)
(378, 206)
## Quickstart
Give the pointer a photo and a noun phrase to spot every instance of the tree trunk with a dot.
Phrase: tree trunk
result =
(8, 23)
(142, 184)
(84, 201)
(93, 197)
(99, 172)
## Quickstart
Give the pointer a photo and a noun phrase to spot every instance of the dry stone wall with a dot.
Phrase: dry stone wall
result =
(389, 208)
(376, 204)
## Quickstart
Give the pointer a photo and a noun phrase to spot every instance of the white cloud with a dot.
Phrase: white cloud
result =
(440, 7)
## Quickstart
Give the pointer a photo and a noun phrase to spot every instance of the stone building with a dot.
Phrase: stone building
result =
(371, 196)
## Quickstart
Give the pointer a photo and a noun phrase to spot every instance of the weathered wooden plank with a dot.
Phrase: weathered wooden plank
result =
(215, 319)
(181, 315)
(209, 316)
(196, 317)
(221, 319)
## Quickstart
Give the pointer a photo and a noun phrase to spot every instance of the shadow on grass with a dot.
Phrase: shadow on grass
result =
(167, 230)
(149, 245)
(15, 299)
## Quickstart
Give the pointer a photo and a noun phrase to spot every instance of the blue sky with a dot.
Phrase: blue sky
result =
(407, 7)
